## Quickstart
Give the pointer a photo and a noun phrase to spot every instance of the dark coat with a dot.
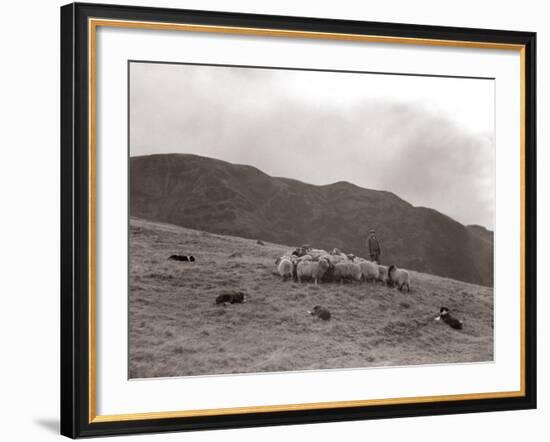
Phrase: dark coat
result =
(373, 245)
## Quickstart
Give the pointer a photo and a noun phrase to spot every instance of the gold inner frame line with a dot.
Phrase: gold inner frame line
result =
(93, 24)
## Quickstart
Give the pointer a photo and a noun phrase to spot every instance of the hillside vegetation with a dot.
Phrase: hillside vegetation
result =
(231, 199)
(176, 329)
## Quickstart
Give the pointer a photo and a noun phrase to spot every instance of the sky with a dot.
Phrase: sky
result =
(429, 140)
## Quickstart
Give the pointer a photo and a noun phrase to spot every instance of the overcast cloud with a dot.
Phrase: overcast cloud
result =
(428, 140)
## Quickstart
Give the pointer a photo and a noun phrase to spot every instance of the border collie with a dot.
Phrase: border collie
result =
(451, 321)
(320, 312)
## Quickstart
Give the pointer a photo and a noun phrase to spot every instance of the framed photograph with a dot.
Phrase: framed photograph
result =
(273, 220)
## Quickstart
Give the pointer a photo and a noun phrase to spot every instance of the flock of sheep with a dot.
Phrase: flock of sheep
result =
(307, 263)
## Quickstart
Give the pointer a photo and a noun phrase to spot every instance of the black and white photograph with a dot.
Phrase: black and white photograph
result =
(290, 219)
(275, 221)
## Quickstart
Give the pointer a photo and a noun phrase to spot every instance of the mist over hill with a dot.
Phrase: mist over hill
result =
(220, 197)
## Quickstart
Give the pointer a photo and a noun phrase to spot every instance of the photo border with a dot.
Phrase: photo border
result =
(79, 23)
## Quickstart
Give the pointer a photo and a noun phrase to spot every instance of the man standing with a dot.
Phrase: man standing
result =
(374, 247)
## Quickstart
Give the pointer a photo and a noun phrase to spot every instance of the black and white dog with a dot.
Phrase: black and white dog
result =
(320, 312)
(451, 321)
(231, 298)
(184, 258)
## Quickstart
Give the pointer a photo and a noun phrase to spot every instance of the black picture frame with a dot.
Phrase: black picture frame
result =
(75, 220)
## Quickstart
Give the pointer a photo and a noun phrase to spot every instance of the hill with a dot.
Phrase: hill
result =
(230, 199)
(175, 328)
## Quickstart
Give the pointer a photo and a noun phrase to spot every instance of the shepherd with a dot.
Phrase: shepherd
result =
(374, 247)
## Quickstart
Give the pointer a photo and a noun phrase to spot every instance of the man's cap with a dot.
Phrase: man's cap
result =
(371, 231)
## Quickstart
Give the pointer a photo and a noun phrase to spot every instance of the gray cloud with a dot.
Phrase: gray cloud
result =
(320, 131)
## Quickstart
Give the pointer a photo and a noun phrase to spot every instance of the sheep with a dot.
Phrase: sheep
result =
(338, 253)
(347, 270)
(285, 267)
(316, 253)
(399, 277)
(382, 274)
(311, 269)
(370, 271)
(333, 259)
(301, 251)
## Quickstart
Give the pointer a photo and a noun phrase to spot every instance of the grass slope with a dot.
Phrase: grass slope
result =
(231, 199)
(177, 330)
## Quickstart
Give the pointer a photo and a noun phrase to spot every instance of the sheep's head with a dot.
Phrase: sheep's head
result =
(324, 264)
(391, 271)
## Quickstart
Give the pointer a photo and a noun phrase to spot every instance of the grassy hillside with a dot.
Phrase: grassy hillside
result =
(232, 199)
(176, 329)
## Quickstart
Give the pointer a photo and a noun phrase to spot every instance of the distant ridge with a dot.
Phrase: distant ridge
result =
(220, 197)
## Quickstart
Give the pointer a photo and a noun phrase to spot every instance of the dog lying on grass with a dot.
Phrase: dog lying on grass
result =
(451, 321)
(320, 312)
(231, 298)
(184, 258)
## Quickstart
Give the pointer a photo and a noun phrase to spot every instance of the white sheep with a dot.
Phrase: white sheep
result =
(312, 270)
(285, 267)
(369, 271)
(334, 259)
(316, 253)
(382, 273)
(347, 270)
(337, 252)
(398, 277)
